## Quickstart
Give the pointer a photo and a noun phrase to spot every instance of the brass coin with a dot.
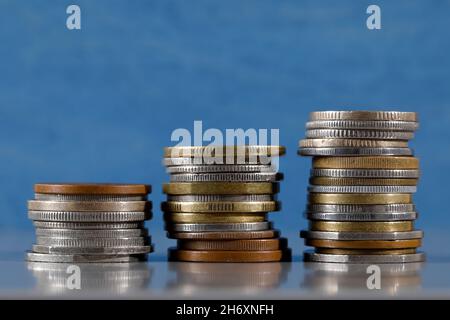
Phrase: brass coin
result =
(380, 162)
(388, 226)
(220, 206)
(226, 256)
(185, 217)
(223, 151)
(327, 181)
(351, 143)
(224, 188)
(92, 188)
(365, 244)
(364, 115)
(227, 235)
(233, 245)
(359, 198)
(368, 251)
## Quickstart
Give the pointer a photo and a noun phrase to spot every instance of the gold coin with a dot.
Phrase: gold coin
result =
(364, 244)
(362, 251)
(364, 115)
(327, 181)
(178, 217)
(351, 143)
(225, 188)
(379, 162)
(359, 198)
(220, 206)
(223, 151)
(358, 226)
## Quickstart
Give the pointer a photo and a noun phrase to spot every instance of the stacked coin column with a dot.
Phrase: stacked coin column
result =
(360, 195)
(90, 223)
(218, 209)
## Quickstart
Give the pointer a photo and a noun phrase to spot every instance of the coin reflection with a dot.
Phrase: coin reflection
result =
(114, 278)
(334, 278)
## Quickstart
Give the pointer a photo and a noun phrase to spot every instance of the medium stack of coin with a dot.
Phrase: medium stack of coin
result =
(218, 201)
(360, 195)
(90, 223)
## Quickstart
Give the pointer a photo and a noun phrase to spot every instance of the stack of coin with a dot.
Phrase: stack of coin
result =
(360, 195)
(217, 203)
(90, 223)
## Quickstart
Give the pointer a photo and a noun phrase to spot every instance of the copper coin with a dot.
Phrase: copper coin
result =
(367, 251)
(227, 235)
(233, 245)
(365, 244)
(226, 256)
(92, 188)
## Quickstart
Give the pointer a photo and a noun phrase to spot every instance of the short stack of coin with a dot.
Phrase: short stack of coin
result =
(90, 223)
(360, 195)
(218, 201)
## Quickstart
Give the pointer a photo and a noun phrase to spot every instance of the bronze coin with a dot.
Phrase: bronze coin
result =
(226, 256)
(365, 251)
(92, 188)
(233, 245)
(227, 235)
(364, 244)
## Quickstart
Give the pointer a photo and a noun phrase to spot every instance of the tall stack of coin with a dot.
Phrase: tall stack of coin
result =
(218, 200)
(360, 195)
(90, 223)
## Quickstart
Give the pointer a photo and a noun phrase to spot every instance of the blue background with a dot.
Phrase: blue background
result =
(100, 104)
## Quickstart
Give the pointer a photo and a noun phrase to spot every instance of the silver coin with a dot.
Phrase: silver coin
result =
(363, 115)
(355, 151)
(364, 125)
(392, 269)
(87, 225)
(196, 161)
(221, 169)
(222, 177)
(87, 197)
(205, 227)
(358, 134)
(79, 258)
(365, 173)
(129, 250)
(330, 235)
(93, 242)
(362, 189)
(360, 208)
(116, 206)
(215, 197)
(108, 233)
(86, 216)
(331, 216)
(370, 258)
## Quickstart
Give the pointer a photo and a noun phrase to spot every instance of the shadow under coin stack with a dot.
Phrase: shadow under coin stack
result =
(90, 223)
(217, 203)
(360, 195)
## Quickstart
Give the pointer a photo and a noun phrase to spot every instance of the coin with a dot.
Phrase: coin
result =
(115, 206)
(128, 250)
(233, 245)
(364, 244)
(225, 235)
(365, 173)
(221, 188)
(88, 197)
(362, 189)
(87, 225)
(363, 124)
(92, 188)
(358, 198)
(387, 226)
(221, 169)
(215, 217)
(224, 206)
(217, 161)
(360, 208)
(77, 258)
(108, 233)
(220, 151)
(92, 242)
(360, 236)
(364, 115)
(87, 216)
(358, 134)
(231, 177)
(332, 216)
(366, 163)
(351, 143)
(326, 181)
(219, 197)
(355, 151)
(365, 251)
(226, 256)
(205, 227)
(336, 258)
